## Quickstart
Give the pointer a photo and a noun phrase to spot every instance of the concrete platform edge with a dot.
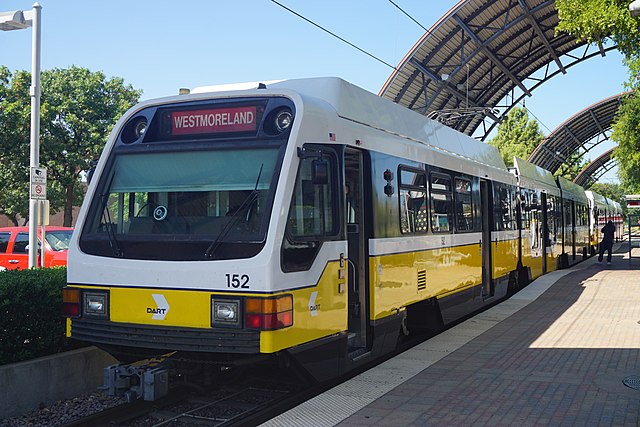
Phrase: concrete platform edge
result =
(68, 375)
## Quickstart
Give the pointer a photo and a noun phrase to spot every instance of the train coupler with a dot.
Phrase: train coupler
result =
(136, 382)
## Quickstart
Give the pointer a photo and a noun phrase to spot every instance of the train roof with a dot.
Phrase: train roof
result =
(599, 200)
(616, 205)
(571, 190)
(356, 104)
(529, 171)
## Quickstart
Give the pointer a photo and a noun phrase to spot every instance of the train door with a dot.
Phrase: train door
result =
(485, 243)
(574, 233)
(358, 251)
(545, 231)
(567, 231)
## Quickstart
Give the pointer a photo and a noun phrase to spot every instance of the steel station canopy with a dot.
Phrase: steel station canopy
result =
(578, 134)
(481, 58)
(594, 170)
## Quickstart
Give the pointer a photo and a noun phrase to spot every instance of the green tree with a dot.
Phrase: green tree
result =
(517, 135)
(78, 110)
(626, 131)
(14, 144)
(572, 166)
(595, 21)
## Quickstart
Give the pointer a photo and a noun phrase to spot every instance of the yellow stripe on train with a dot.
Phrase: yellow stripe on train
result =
(397, 280)
(319, 310)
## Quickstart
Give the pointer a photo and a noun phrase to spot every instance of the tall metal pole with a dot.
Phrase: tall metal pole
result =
(35, 131)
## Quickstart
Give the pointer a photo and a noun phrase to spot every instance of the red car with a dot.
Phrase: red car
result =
(14, 242)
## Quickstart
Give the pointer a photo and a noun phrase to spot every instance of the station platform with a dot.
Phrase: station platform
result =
(563, 351)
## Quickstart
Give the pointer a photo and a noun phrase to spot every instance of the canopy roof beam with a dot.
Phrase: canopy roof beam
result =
(541, 36)
(489, 53)
(441, 83)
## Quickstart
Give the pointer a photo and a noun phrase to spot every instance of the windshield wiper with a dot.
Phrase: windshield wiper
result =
(235, 217)
(113, 241)
(106, 215)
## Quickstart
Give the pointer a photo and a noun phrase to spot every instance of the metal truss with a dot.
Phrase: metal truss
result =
(577, 136)
(485, 56)
(594, 170)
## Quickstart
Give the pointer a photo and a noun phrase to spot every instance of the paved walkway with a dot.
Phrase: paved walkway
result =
(558, 360)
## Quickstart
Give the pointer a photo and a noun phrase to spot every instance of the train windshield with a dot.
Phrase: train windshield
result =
(193, 205)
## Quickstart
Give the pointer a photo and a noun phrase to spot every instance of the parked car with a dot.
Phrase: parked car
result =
(14, 247)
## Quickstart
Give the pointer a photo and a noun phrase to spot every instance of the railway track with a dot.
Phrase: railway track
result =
(233, 403)
(243, 398)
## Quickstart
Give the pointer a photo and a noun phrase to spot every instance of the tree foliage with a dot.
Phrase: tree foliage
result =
(595, 21)
(572, 166)
(517, 135)
(14, 144)
(78, 110)
(626, 131)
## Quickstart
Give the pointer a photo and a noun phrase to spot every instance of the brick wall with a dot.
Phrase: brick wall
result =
(56, 219)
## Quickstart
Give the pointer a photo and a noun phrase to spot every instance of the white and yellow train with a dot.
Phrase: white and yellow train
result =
(308, 220)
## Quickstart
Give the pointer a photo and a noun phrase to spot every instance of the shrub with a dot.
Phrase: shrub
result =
(31, 322)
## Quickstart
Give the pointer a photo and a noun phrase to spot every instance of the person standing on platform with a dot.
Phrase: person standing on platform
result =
(607, 241)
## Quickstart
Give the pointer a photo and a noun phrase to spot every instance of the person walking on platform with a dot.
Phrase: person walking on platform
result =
(607, 241)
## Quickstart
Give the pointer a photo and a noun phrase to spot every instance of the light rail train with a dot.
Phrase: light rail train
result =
(307, 220)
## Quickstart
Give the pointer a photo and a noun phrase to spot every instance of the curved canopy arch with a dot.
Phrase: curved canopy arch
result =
(578, 134)
(594, 170)
(481, 58)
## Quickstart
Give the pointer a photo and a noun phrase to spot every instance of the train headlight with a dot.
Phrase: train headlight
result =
(140, 128)
(225, 312)
(134, 130)
(278, 121)
(283, 120)
(95, 304)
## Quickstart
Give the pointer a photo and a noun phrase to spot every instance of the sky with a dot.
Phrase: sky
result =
(161, 46)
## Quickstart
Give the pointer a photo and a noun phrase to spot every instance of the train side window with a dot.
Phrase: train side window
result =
(503, 214)
(568, 218)
(525, 210)
(413, 201)
(552, 225)
(441, 203)
(4, 241)
(313, 214)
(313, 208)
(584, 215)
(464, 209)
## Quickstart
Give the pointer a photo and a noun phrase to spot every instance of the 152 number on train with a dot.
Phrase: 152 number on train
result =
(237, 281)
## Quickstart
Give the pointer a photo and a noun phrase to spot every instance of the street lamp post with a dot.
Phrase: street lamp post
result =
(19, 20)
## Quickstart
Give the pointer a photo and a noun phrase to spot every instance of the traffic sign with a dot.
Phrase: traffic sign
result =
(38, 191)
(38, 184)
(38, 175)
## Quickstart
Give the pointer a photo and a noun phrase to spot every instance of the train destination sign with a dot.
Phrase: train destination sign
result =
(214, 120)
